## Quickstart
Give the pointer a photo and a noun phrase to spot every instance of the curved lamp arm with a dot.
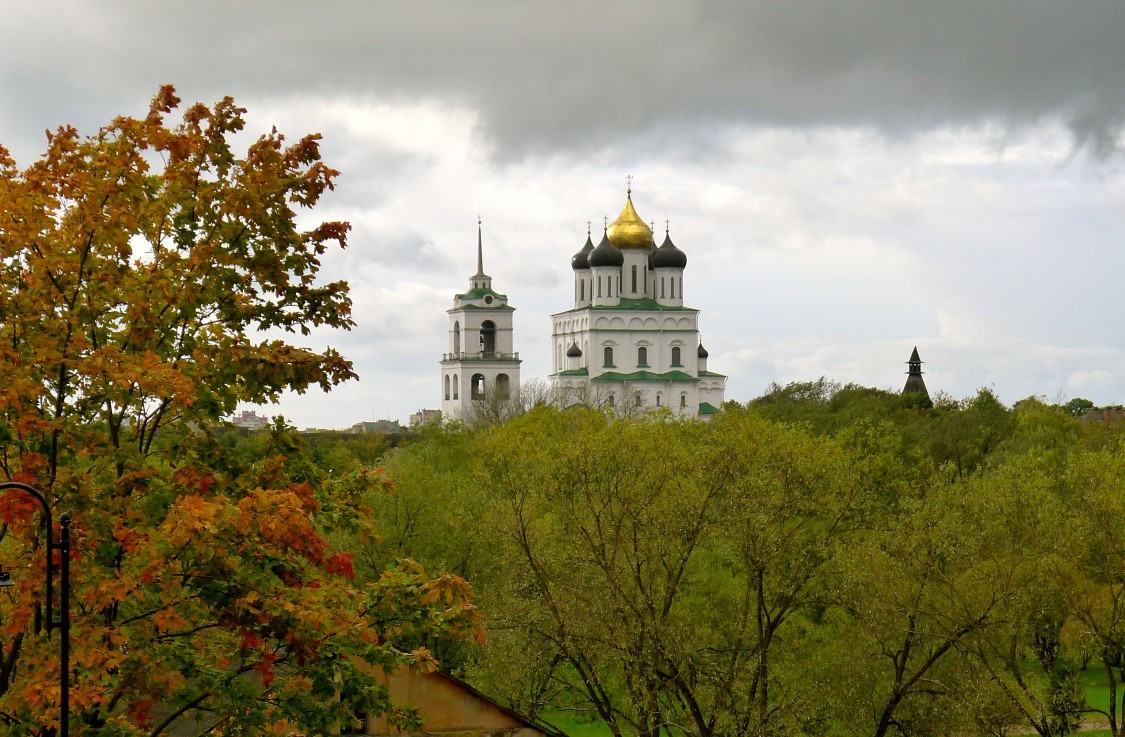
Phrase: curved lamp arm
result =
(51, 545)
(63, 546)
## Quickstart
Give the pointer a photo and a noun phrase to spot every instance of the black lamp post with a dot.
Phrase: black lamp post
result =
(63, 546)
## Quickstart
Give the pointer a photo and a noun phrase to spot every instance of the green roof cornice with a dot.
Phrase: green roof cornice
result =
(486, 308)
(645, 376)
(481, 294)
(632, 305)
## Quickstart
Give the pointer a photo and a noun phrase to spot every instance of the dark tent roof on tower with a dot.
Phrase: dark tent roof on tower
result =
(915, 384)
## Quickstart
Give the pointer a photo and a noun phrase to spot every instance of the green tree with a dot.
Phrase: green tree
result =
(669, 566)
(1078, 406)
(151, 276)
(914, 594)
(1021, 522)
(1094, 581)
(962, 435)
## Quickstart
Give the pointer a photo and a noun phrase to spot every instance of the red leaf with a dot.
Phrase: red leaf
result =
(340, 563)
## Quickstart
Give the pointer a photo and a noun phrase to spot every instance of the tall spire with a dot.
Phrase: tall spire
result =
(480, 251)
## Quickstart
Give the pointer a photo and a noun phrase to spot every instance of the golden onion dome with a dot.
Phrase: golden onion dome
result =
(628, 230)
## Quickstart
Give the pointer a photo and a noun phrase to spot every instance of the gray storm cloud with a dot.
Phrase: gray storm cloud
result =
(583, 74)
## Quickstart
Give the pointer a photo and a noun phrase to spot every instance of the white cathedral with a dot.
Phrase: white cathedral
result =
(628, 343)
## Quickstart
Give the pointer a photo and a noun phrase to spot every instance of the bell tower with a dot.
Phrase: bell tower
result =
(481, 363)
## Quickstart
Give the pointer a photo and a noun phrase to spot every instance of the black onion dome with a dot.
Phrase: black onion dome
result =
(606, 254)
(702, 352)
(668, 256)
(574, 351)
(580, 260)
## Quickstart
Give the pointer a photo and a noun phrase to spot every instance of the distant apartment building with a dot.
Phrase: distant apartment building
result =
(250, 420)
(425, 417)
(385, 427)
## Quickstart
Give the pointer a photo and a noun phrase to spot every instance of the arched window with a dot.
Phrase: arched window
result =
(637, 399)
(447, 386)
(642, 356)
(608, 356)
(476, 386)
(599, 285)
(455, 385)
(676, 356)
(661, 287)
(634, 278)
(683, 400)
(658, 399)
(456, 337)
(503, 388)
(611, 400)
(488, 337)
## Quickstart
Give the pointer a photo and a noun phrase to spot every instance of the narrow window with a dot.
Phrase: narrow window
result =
(683, 400)
(608, 353)
(455, 385)
(658, 400)
(642, 356)
(447, 387)
(661, 287)
(675, 356)
(634, 278)
(582, 288)
(610, 400)
(599, 285)
(456, 337)
(638, 400)
(477, 386)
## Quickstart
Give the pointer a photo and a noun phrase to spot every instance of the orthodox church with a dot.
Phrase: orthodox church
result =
(629, 342)
(481, 361)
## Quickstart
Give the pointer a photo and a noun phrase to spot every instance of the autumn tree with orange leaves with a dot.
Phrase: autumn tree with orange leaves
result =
(146, 273)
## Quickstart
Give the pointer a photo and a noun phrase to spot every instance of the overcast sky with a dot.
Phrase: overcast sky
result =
(848, 179)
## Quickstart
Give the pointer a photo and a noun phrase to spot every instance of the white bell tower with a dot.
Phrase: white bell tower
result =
(481, 363)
